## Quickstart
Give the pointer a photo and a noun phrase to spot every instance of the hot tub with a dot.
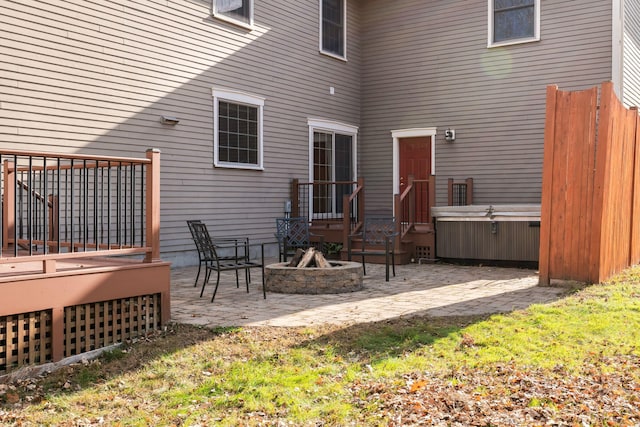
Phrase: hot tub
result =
(488, 232)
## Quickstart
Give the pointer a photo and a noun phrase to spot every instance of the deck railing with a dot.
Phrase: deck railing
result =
(66, 206)
(339, 202)
(460, 193)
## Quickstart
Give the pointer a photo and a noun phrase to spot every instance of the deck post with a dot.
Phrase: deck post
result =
(346, 220)
(360, 216)
(153, 205)
(469, 182)
(432, 197)
(547, 186)
(57, 334)
(411, 213)
(295, 198)
(397, 207)
(8, 203)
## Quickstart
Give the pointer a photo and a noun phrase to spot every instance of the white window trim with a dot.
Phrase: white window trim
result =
(344, 38)
(617, 46)
(241, 98)
(332, 126)
(226, 18)
(536, 28)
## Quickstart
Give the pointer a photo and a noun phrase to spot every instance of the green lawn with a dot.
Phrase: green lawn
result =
(374, 374)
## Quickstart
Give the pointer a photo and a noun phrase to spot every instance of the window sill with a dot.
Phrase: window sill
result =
(333, 55)
(238, 166)
(235, 22)
(513, 42)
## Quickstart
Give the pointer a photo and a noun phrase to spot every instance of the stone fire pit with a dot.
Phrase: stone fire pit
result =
(343, 276)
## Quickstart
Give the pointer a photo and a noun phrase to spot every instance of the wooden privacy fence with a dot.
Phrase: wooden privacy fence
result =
(590, 213)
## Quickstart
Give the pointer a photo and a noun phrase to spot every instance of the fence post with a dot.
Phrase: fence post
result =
(547, 186)
(153, 205)
(634, 256)
(602, 158)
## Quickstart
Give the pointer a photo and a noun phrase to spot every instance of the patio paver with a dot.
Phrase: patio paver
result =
(418, 289)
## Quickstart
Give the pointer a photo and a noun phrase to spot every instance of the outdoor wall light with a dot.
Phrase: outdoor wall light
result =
(169, 120)
(450, 135)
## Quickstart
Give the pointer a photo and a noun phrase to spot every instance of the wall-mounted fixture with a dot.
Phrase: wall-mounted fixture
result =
(169, 120)
(450, 135)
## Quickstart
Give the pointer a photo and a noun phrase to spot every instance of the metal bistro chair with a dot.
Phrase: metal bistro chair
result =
(218, 264)
(378, 237)
(235, 255)
(292, 234)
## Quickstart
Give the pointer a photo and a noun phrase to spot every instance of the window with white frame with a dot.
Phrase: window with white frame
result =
(333, 168)
(237, 129)
(513, 21)
(333, 26)
(236, 11)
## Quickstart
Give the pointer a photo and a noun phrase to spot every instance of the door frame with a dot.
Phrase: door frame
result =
(330, 126)
(397, 135)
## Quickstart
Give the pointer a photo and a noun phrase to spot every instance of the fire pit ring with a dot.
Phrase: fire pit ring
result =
(342, 277)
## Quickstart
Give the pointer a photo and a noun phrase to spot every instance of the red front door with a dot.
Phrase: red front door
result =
(415, 160)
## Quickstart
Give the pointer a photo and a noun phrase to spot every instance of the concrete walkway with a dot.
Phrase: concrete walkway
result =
(427, 289)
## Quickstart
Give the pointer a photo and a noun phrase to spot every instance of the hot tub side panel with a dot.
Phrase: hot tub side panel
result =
(488, 240)
(488, 232)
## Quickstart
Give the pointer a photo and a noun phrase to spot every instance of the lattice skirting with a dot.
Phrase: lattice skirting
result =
(26, 339)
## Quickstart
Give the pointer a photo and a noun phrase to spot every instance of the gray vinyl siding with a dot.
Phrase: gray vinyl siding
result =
(94, 77)
(426, 64)
(631, 54)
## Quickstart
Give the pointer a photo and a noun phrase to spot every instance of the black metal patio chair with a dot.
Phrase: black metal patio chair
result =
(218, 264)
(230, 255)
(378, 238)
(293, 234)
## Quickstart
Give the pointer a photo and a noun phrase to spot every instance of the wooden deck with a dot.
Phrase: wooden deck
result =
(93, 276)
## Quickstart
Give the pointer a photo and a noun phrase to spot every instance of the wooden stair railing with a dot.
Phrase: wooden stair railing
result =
(47, 203)
(352, 223)
(418, 192)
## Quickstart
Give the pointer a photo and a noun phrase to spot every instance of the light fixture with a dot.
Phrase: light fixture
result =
(450, 135)
(169, 120)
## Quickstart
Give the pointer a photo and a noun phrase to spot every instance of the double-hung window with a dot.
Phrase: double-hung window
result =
(333, 26)
(236, 11)
(513, 21)
(333, 168)
(237, 129)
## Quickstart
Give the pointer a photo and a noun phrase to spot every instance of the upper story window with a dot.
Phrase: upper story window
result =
(237, 130)
(236, 11)
(513, 21)
(333, 26)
